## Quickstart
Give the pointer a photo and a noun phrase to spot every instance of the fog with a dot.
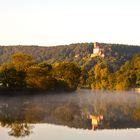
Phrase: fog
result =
(119, 109)
(82, 98)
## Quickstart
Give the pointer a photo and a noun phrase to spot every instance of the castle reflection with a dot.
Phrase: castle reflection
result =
(21, 113)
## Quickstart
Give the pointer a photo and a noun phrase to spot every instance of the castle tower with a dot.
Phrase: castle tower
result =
(95, 44)
(97, 50)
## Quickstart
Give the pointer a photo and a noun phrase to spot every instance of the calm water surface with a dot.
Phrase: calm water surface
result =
(53, 132)
(65, 116)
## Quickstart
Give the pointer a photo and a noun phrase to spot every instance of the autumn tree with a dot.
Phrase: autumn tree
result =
(12, 75)
(20, 130)
(83, 77)
(22, 61)
(129, 74)
(11, 78)
(68, 73)
(39, 77)
(100, 77)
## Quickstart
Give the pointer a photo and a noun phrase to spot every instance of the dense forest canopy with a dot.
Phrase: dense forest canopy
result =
(23, 72)
(79, 53)
(68, 67)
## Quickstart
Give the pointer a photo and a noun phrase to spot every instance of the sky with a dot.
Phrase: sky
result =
(58, 22)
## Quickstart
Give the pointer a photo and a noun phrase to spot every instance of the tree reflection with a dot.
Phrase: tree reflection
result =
(72, 111)
(20, 129)
(12, 116)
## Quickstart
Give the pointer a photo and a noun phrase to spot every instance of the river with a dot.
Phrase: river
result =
(66, 116)
(53, 132)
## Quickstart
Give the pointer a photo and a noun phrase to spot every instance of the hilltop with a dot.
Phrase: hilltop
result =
(96, 66)
(79, 53)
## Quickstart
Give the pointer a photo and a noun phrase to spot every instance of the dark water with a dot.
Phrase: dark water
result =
(64, 115)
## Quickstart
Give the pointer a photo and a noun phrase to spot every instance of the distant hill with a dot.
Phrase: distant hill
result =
(79, 53)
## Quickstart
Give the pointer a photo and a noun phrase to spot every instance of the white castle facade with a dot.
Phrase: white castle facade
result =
(98, 50)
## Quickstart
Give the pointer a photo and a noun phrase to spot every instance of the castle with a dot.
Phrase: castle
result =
(98, 50)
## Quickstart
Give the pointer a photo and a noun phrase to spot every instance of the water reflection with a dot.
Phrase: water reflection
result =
(78, 110)
(20, 129)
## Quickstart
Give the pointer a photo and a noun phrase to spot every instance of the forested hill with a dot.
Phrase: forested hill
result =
(79, 53)
(50, 54)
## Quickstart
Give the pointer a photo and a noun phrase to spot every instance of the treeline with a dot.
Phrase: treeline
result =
(23, 72)
(78, 53)
(50, 54)
(101, 78)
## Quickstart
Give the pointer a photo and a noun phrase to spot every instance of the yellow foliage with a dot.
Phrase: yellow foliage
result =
(22, 61)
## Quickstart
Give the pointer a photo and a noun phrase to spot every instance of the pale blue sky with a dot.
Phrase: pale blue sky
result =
(54, 22)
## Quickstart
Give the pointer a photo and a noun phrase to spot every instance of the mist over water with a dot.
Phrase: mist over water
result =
(119, 110)
(86, 98)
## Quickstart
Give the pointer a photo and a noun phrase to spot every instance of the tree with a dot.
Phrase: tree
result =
(40, 78)
(136, 66)
(83, 77)
(11, 78)
(20, 130)
(129, 74)
(100, 77)
(22, 61)
(67, 72)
